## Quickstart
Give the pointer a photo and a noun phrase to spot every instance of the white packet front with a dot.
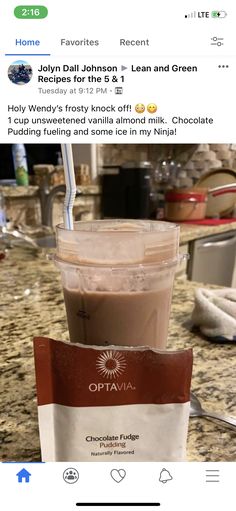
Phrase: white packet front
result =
(111, 403)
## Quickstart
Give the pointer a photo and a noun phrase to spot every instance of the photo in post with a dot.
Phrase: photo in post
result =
(122, 280)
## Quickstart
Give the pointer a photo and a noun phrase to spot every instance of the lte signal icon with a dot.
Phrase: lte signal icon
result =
(191, 15)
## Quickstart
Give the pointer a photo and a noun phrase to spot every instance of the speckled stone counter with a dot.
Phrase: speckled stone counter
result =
(32, 304)
(190, 232)
(14, 192)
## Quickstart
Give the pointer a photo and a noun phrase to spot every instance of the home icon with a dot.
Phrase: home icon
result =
(23, 476)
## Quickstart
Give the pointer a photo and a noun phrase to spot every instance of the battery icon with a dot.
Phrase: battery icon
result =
(218, 14)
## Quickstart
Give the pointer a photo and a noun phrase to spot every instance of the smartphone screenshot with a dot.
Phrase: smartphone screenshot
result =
(118, 255)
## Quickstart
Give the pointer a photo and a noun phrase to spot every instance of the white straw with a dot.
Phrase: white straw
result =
(69, 172)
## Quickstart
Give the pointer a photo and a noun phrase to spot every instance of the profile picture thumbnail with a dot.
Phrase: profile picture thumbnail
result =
(20, 72)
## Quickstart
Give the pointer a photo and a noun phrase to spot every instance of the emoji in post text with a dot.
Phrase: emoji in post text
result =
(139, 108)
(152, 108)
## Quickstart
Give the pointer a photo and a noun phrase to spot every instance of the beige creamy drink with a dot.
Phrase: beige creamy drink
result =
(117, 280)
(125, 319)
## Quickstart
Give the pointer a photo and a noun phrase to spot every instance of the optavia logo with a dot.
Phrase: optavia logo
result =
(110, 364)
(109, 387)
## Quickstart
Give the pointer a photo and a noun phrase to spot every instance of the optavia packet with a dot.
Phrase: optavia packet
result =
(111, 403)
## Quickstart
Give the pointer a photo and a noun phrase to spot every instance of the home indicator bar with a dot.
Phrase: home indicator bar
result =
(117, 504)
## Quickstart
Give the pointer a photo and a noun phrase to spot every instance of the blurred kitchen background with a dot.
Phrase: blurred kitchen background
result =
(156, 181)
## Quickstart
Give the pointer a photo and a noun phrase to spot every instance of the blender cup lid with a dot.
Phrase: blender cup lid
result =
(118, 242)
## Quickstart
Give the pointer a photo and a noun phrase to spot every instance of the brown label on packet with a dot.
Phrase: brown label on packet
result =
(97, 391)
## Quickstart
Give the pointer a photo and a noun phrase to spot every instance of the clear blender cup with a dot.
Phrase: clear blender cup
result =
(117, 278)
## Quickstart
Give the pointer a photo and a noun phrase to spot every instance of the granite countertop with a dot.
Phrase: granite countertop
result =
(190, 232)
(32, 305)
(15, 192)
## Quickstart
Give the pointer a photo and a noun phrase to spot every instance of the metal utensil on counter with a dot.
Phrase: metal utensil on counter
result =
(196, 410)
(9, 235)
